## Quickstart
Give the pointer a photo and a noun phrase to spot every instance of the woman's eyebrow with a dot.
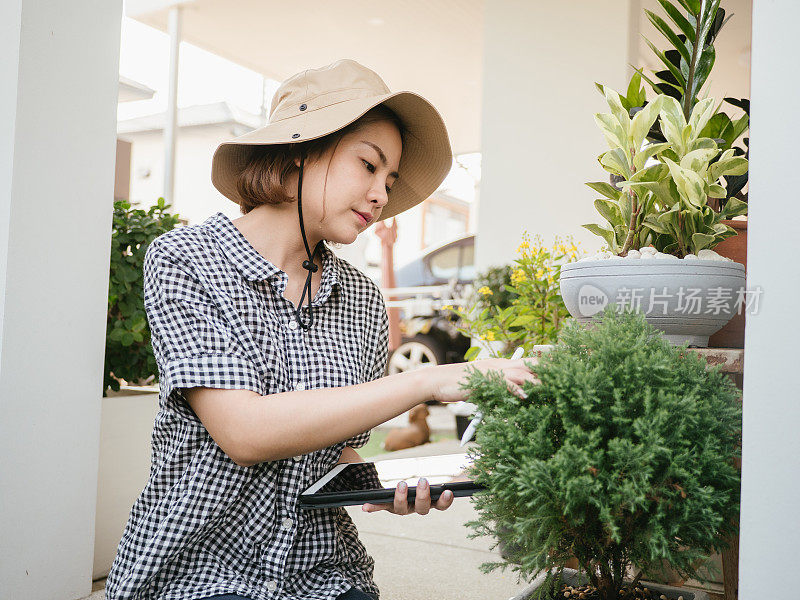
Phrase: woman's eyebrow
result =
(382, 156)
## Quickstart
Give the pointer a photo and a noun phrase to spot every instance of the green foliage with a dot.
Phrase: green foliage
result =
(129, 355)
(690, 30)
(624, 454)
(661, 198)
(536, 310)
(498, 280)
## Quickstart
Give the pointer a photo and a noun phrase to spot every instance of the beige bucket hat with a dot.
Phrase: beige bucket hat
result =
(317, 102)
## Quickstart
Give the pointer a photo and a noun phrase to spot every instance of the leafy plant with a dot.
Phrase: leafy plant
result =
(129, 355)
(498, 280)
(662, 191)
(688, 64)
(536, 312)
(624, 454)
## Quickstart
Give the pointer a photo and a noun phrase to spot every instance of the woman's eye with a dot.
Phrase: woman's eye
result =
(371, 169)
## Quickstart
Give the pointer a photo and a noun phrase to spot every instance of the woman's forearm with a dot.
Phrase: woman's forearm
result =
(299, 422)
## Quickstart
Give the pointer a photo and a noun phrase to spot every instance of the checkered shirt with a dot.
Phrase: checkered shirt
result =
(204, 525)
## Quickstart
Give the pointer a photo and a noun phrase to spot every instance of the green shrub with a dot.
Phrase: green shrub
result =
(624, 454)
(129, 355)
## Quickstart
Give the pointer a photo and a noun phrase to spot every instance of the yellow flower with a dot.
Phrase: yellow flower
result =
(486, 291)
(539, 273)
(549, 281)
(447, 307)
(490, 336)
(517, 276)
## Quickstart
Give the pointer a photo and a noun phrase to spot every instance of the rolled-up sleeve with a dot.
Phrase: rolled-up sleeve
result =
(193, 343)
(378, 357)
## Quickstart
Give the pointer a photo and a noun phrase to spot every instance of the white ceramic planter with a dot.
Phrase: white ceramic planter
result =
(686, 299)
(126, 428)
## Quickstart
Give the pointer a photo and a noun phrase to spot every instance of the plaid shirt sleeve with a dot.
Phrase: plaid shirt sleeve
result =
(192, 341)
(379, 356)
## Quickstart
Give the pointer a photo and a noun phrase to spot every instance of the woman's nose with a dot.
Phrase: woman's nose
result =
(378, 195)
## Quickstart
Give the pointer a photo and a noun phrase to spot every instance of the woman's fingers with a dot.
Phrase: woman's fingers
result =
(444, 501)
(401, 498)
(422, 501)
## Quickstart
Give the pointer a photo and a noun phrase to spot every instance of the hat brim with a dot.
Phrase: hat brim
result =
(424, 163)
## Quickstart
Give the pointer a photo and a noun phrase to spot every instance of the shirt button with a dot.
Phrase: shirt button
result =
(287, 523)
(299, 385)
(292, 324)
(272, 585)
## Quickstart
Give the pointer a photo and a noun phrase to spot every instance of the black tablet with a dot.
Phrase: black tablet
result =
(349, 484)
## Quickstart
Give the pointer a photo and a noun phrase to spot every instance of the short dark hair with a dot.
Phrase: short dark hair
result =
(263, 179)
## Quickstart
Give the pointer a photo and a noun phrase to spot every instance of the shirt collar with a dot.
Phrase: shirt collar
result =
(255, 267)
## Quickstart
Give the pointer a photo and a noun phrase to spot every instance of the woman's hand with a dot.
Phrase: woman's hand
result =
(422, 502)
(446, 379)
(349, 456)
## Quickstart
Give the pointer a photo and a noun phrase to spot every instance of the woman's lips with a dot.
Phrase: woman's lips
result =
(361, 217)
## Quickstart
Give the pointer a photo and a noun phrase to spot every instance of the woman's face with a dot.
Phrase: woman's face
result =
(363, 168)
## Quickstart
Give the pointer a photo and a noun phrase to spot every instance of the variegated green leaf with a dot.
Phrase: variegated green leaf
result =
(609, 210)
(616, 161)
(606, 189)
(619, 112)
(697, 160)
(606, 234)
(690, 185)
(700, 241)
(701, 113)
(733, 208)
(717, 191)
(647, 152)
(613, 132)
(643, 121)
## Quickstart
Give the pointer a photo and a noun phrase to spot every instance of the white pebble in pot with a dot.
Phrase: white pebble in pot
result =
(707, 254)
(690, 257)
(634, 254)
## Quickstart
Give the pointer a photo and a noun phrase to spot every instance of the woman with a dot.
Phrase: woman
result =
(261, 395)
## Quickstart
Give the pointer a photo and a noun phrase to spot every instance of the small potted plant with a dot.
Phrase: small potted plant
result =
(623, 455)
(661, 230)
(687, 67)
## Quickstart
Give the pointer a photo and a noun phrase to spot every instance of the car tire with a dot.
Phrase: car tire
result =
(418, 352)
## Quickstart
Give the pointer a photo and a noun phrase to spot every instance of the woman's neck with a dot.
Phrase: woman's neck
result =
(275, 235)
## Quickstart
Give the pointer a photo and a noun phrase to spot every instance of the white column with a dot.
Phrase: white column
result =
(58, 100)
(770, 517)
(539, 140)
(171, 125)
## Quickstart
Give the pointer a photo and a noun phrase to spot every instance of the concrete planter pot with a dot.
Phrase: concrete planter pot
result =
(126, 427)
(686, 299)
(571, 577)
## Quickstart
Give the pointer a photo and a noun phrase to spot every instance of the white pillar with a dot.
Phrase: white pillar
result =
(58, 101)
(770, 517)
(539, 140)
(171, 125)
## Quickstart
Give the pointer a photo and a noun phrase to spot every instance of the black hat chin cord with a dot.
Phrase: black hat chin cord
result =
(307, 264)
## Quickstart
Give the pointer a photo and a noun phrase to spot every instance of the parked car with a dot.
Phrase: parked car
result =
(429, 334)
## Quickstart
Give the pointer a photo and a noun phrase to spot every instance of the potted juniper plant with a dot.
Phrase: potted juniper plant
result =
(661, 230)
(622, 461)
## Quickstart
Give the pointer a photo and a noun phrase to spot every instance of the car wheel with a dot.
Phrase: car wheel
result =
(418, 352)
